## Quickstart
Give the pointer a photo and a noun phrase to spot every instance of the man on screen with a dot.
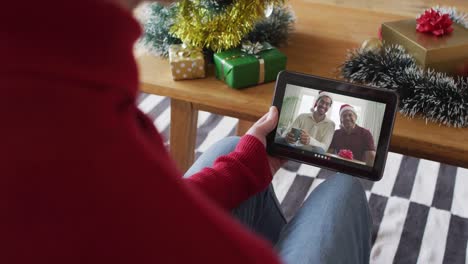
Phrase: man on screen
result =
(353, 137)
(316, 130)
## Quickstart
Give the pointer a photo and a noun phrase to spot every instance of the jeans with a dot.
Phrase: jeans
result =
(333, 225)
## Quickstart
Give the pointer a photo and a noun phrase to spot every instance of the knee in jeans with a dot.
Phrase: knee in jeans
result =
(232, 138)
(349, 182)
(351, 196)
(231, 141)
(351, 187)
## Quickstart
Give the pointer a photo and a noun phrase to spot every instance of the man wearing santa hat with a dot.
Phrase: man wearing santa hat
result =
(353, 137)
(316, 129)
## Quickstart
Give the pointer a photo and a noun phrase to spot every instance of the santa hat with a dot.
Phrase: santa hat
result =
(323, 94)
(347, 107)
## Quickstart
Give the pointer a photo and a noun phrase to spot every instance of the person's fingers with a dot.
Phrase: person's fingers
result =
(275, 164)
(272, 119)
(262, 119)
(264, 125)
(268, 122)
(272, 114)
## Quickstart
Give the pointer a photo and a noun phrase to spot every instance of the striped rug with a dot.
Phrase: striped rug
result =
(419, 208)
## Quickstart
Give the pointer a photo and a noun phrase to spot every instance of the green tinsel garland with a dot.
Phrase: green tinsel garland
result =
(157, 37)
(434, 95)
(274, 29)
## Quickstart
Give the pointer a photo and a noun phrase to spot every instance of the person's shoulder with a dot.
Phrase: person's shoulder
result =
(304, 116)
(339, 131)
(329, 121)
(364, 131)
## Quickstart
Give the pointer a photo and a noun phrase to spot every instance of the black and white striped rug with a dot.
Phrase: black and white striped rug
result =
(419, 208)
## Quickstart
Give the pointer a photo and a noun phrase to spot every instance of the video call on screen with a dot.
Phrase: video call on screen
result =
(330, 126)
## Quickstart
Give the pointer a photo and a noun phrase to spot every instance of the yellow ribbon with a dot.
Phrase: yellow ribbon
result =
(183, 51)
(261, 61)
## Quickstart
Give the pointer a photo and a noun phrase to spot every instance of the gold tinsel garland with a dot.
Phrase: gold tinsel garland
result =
(198, 27)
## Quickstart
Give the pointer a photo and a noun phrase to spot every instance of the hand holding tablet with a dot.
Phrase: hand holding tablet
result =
(332, 124)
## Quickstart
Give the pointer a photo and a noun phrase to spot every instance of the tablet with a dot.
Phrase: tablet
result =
(332, 124)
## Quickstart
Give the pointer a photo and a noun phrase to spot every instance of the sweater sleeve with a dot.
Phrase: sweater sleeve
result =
(325, 142)
(235, 177)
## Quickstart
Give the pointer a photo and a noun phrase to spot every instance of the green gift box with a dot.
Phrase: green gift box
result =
(249, 65)
(443, 53)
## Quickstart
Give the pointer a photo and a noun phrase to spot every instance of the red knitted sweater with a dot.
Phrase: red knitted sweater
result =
(84, 176)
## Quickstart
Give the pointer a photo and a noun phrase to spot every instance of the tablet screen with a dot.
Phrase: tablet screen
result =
(330, 126)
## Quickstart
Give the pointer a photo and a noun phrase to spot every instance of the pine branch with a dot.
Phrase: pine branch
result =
(157, 37)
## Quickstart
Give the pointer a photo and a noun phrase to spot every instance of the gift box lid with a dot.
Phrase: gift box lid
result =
(180, 52)
(426, 47)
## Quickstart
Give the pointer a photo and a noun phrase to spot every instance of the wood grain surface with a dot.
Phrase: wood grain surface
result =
(324, 32)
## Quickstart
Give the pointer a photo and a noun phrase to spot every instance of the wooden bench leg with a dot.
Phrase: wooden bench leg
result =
(183, 133)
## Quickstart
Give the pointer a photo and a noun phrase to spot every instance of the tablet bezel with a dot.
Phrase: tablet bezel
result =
(388, 97)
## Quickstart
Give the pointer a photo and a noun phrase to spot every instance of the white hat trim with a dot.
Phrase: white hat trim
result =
(322, 94)
(348, 108)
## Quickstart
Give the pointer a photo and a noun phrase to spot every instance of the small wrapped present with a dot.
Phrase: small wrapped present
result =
(440, 49)
(252, 64)
(186, 63)
(346, 154)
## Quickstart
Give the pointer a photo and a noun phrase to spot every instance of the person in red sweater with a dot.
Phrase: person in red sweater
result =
(85, 177)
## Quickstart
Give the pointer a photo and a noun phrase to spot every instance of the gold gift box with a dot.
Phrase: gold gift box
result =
(443, 53)
(186, 63)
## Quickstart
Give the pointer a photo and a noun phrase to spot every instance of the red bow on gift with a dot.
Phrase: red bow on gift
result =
(434, 22)
(346, 153)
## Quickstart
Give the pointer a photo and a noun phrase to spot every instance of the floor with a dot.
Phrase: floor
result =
(419, 208)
